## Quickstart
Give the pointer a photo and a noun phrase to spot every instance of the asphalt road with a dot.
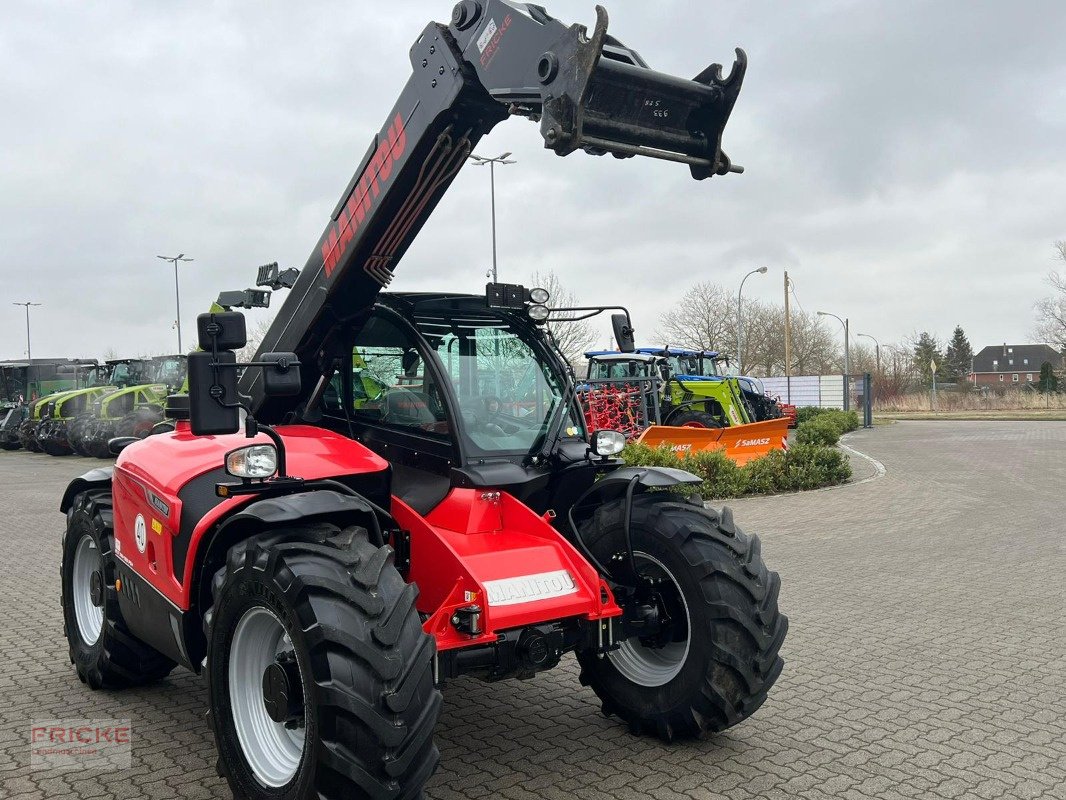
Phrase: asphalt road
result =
(926, 657)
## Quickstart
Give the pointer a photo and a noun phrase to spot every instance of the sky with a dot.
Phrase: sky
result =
(904, 160)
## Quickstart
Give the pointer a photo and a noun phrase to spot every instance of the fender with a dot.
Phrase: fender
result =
(99, 478)
(615, 484)
(317, 505)
(622, 483)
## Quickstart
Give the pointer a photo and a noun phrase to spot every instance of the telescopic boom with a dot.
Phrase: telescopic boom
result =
(493, 60)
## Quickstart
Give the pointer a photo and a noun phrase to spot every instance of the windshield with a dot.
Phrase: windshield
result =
(507, 394)
(170, 371)
(615, 368)
(685, 365)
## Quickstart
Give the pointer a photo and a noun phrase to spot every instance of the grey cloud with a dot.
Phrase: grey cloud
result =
(904, 162)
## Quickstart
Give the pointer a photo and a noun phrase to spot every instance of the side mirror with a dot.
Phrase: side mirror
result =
(282, 378)
(623, 333)
(209, 388)
(224, 330)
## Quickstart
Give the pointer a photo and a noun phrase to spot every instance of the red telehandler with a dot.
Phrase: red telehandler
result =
(400, 488)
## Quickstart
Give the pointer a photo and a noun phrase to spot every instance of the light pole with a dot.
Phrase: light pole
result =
(177, 294)
(503, 158)
(29, 353)
(740, 321)
(847, 357)
(877, 350)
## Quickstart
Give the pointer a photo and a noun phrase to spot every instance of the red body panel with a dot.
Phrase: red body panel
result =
(472, 539)
(475, 537)
(161, 465)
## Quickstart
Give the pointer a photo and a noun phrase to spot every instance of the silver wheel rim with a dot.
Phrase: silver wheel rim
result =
(653, 666)
(90, 617)
(272, 750)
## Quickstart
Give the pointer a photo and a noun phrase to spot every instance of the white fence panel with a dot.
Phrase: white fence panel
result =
(800, 390)
(826, 391)
(832, 388)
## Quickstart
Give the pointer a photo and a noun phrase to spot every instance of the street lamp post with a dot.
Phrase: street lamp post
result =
(877, 350)
(177, 294)
(29, 352)
(480, 161)
(740, 321)
(847, 357)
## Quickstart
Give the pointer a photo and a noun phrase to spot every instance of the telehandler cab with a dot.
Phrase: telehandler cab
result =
(329, 559)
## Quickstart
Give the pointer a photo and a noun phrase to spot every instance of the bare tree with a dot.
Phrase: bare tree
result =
(1051, 311)
(705, 318)
(573, 338)
(255, 338)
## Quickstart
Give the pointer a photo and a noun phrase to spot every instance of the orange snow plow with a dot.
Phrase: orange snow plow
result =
(742, 443)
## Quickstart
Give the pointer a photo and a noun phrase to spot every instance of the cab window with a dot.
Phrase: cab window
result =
(390, 383)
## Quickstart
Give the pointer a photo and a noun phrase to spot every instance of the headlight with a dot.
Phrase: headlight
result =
(539, 296)
(608, 443)
(538, 313)
(257, 461)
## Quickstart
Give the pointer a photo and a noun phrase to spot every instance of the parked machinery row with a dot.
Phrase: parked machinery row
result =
(63, 407)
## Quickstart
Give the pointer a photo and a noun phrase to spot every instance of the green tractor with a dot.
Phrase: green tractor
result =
(634, 390)
(53, 430)
(25, 435)
(131, 411)
(695, 366)
(56, 380)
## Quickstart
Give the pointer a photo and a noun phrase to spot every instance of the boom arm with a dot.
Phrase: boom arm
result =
(496, 58)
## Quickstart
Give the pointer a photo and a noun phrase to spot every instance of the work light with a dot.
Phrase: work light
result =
(256, 461)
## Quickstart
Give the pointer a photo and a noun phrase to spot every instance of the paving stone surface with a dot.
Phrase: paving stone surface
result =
(926, 657)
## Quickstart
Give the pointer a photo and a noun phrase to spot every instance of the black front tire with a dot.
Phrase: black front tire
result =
(97, 437)
(116, 659)
(735, 628)
(364, 664)
(28, 436)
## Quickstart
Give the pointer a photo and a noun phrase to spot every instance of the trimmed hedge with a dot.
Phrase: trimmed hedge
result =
(802, 466)
(848, 420)
(825, 426)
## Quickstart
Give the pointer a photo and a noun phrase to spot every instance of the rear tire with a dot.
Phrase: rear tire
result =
(103, 651)
(342, 622)
(729, 659)
(695, 419)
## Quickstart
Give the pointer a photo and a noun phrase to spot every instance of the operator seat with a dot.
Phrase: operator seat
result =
(407, 407)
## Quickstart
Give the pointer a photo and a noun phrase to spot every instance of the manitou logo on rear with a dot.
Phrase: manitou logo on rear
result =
(339, 235)
(527, 588)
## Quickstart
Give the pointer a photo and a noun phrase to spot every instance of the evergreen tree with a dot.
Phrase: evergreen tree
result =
(927, 350)
(958, 357)
(1049, 382)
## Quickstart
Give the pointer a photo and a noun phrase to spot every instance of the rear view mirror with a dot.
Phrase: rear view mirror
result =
(209, 388)
(623, 333)
(281, 377)
(224, 330)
